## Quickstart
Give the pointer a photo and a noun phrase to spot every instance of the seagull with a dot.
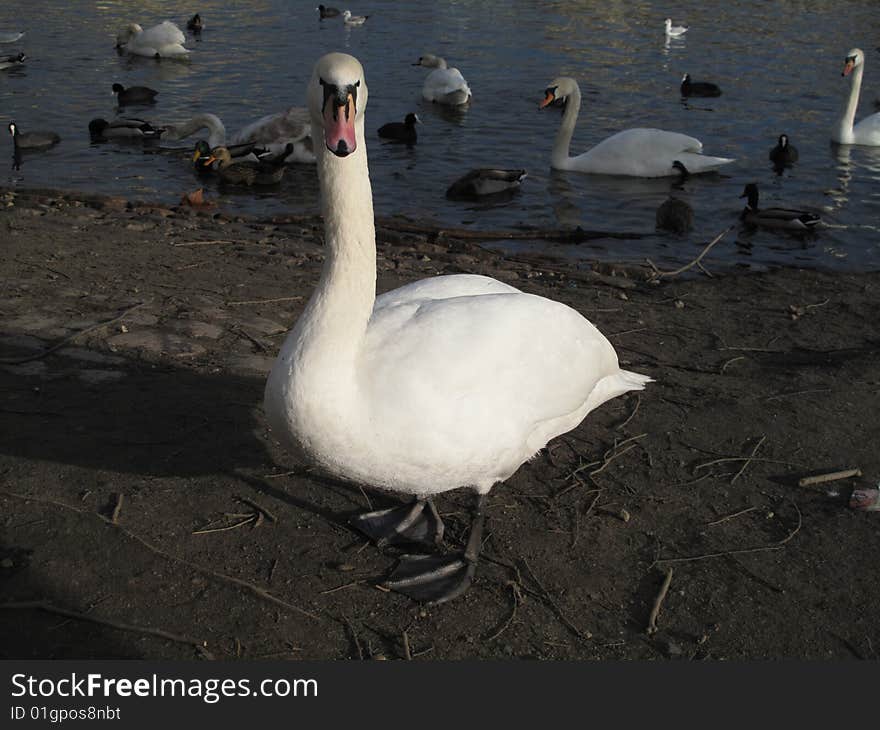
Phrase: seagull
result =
(350, 19)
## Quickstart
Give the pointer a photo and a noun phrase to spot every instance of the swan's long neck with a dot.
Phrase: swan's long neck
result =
(333, 324)
(843, 130)
(561, 159)
(211, 122)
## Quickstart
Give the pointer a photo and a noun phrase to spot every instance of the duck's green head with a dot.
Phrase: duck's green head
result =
(202, 156)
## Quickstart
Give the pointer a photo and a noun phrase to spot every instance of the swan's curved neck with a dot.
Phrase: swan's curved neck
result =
(211, 122)
(843, 131)
(335, 319)
(563, 137)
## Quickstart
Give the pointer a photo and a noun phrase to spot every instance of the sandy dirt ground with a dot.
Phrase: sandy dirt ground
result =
(147, 512)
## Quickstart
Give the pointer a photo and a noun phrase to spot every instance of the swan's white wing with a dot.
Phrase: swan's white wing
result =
(500, 375)
(292, 125)
(164, 34)
(867, 131)
(443, 81)
(646, 153)
(443, 287)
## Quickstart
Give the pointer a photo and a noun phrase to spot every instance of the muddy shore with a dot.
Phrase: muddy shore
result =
(146, 511)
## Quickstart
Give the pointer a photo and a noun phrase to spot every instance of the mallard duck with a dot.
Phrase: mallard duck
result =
(161, 41)
(123, 128)
(32, 140)
(247, 152)
(784, 153)
(195, 24)
(698, 88)
(404, 131)
(12, 61)
(448, 382)
(247, 173)
(486, 181)
(443, 85)
(134, 94)
(799, 220)
(327, 12)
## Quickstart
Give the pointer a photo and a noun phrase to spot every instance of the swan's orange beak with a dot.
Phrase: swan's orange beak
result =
(848, 66)
(549, 98)
(339, 135)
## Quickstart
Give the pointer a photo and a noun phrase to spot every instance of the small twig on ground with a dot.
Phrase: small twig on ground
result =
(730, 362)
(202, 243)
(149, 631)
(731, 516)
(225, 528)
(238, 330)
(255, 590)
(610, 455)
(407, 654)
(763, 548)
(831, 476)
(70, 338)
(262, 510)
(658, 274)
(749, 460)
(354, 637)
(117, 508)
(517, 599)
(658, 602)
(631, 415)
(264, 301)
(545, 596)
(343, 587)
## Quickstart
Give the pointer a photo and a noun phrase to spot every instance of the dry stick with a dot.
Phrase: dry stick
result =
(225, 528)
(260, 593)
(631, 415)
(831, 476)
(67, 340)
(517, 599)
(749, 460)
(731, 516)
(262, 510)
(545, 596)
(204, 243)
(775, 546)
(730, 362)
(265, 301)
(354, 636)
(343, 587)
(114, 516)
(50, 608)
(660, 274)
(406, 651)
(658, 601)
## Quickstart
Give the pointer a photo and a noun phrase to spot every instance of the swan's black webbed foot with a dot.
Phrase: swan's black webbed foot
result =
(432, 578)
(417, 522)
(440, 578)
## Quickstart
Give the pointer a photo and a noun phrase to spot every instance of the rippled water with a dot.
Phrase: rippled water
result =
(778, 63)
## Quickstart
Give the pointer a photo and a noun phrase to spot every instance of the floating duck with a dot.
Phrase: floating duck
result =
(404, 131)
(350, 19)
(32, 140)
(12, 61)
(123, 128)
(674, 31)
(134, 94)
(195, 24)
(798, 220)
(452, 381)
(784, 153)
(327, 12)
(486, 181)
(246, 173)
(698, 88)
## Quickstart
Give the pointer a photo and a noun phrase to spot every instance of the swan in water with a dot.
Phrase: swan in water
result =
(867, 131)
(635, 152)
(274, 132)
(443, 85)
(452, 381)
(161, 41)
(674, 31)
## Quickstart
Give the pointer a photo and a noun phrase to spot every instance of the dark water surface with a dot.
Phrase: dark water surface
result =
(778, 64)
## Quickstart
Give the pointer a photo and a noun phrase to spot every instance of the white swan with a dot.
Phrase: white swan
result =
(674, 30)
(867, 131)
(446, 382)
(276, 131)
(161, 41)
(635, 152)
(273, 132)
(443, 85)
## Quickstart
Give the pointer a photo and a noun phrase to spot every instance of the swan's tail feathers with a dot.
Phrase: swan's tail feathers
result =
(617, 384)
(696, 163)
